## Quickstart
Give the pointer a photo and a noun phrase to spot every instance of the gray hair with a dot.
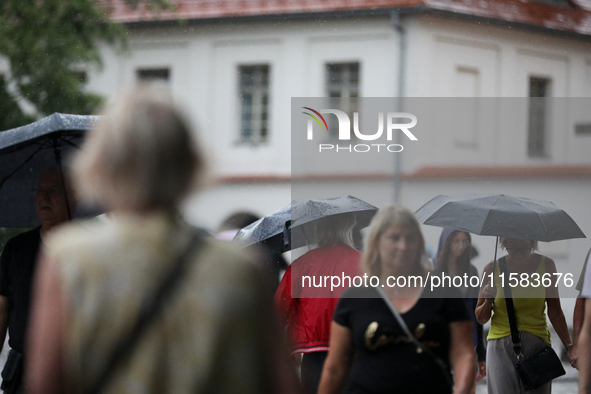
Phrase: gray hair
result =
(336, 229)
(141, 155)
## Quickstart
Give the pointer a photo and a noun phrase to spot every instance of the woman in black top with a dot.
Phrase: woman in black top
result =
(368, 349)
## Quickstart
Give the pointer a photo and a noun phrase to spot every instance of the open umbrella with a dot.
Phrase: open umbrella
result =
(294, 225)
(271, 230)
(500, 215)
(27, 151)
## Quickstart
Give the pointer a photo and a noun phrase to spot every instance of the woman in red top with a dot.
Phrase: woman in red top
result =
(310, 289)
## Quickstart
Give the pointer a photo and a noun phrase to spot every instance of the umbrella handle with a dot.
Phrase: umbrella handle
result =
(286, 236)
(58, 158)
(495, 260)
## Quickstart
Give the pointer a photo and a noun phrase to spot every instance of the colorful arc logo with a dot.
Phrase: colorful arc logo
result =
(315, 118)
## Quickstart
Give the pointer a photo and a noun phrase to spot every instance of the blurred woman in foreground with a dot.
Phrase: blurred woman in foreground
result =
(212, 333)
(369, 349)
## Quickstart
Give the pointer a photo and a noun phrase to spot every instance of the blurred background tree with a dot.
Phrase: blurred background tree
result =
(46, 44)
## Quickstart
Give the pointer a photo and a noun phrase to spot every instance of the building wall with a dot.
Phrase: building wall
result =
(445, 57)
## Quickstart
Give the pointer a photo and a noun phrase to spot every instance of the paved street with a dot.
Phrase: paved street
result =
(564, 385)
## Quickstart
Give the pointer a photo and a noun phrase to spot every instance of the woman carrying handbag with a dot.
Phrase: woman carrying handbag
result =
(510, 350)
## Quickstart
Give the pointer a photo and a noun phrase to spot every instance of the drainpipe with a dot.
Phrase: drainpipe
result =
(395, 21)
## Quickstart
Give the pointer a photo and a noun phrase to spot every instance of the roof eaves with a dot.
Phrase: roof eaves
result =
(274, 16)
(570, 23)
(547, 29)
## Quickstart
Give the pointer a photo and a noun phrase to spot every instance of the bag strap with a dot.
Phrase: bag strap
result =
(149, 309)
(420, 347)
(511, 311)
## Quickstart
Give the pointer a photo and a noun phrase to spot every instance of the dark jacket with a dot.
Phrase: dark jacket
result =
(470, 300)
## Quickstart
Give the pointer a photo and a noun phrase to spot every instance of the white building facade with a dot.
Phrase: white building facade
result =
(236, 66)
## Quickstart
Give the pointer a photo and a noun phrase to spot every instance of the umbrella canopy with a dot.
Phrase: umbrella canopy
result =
(294, 225)
(25, 153)
(272, 231)
(500, 215)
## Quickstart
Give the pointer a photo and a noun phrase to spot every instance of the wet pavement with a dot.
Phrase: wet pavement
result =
(567, 384)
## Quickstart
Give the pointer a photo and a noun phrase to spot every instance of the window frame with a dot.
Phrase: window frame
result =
(260, 103)
(346, 102)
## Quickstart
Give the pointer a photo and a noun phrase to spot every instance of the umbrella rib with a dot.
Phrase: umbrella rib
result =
(70, 143)
(19, 167)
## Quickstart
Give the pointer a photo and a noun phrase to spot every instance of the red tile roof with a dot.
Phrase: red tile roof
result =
(573, 18)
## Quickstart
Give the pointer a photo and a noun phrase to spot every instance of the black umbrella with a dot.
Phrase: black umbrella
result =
(294, 225)
(271, 230)
(500, 215)
(27, 151)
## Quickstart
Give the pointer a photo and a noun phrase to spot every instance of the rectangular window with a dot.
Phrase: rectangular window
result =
(342, 83)
(254, 103)
(153, 74)
(537, 139)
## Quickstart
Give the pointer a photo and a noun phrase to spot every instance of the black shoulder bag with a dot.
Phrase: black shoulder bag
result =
(150, 308)
(539, 368)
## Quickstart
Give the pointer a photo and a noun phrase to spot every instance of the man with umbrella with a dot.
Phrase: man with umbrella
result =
(55, 205)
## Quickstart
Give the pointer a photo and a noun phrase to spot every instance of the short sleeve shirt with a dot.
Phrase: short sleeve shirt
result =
(385, 360)
(586, 291)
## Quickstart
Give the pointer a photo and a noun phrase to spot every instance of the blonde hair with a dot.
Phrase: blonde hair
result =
(382, 221)
(503, 243)
(336, 229)
(141, 154)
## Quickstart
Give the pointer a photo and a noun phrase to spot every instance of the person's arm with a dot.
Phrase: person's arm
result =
(486, 297)
(3, 319)
(578, 316)
(480, 343)
(480, 352)
(45, 373)
(338, 363)
(555, 313)
(462, 356)
(4, 286)
(584, 361)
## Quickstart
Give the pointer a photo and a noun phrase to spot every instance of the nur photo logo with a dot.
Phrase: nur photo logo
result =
(344, 130)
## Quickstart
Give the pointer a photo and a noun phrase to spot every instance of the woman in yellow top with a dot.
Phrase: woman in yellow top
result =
(530, 304)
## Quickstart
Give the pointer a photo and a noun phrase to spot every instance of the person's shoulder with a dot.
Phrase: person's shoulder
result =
(235, 276)
(20, 243)
(230, 261)
(75, 234)
(549, 264)
(25, 237)
(226, 253)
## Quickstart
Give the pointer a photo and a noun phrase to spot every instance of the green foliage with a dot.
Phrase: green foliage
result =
(10, 113)
(44, 41)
